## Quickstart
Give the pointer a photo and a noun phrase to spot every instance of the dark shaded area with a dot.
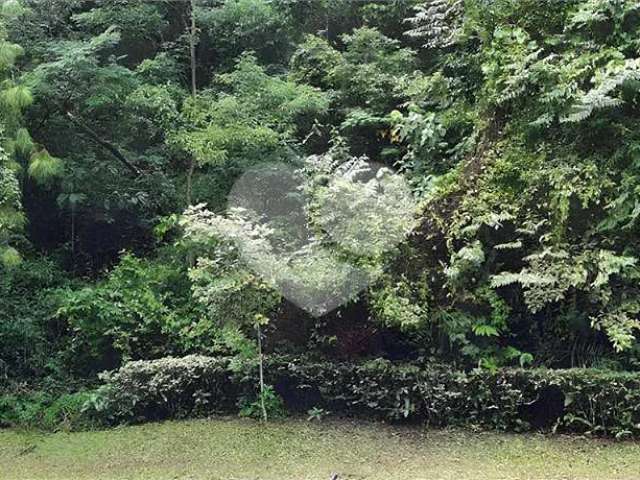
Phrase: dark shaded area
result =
(543, 413)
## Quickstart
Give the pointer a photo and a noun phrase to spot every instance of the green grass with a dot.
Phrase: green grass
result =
(294, 449)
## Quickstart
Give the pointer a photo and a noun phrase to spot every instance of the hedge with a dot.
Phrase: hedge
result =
(576, 401)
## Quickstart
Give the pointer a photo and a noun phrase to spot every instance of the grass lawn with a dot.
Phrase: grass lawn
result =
(242, 449)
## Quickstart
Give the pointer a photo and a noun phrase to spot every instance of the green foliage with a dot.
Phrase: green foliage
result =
(238, 26)
(250, 118)
(221, 279)
(31, 343)
(614, 75)
(437, 22)
(167, 388)
(271, 401)
(9, 52)
(313, 61)
(515, 123)
(160, 70)
(11, 216)
(393, 305)
(370, 68)
(43, 167)
(316, 414)
(141, 310)
(559, 85)
(137, 21)
(465, 262)
(14, 99)
(23, 143)
(251, 255)
(155, 107)
(10, 258)
(46, 411)
(507, 65)
(366, 210)
(583, 401)
(17, 98)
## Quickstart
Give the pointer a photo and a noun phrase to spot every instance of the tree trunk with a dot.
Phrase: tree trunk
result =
(261, 369)
(194, 91)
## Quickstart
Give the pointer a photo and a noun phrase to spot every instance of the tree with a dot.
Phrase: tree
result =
(223, 282)
(14, 97)
(248, 117)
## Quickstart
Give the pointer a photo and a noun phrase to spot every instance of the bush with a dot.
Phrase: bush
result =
(572, 401)
(46, 411)
(273, 405)
(30, 336)
(140, 310)
(167, 388)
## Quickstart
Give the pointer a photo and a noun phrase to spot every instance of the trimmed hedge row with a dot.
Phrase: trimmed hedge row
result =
(577, 401)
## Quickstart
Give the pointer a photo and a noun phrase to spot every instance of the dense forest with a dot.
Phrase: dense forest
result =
(506, 132)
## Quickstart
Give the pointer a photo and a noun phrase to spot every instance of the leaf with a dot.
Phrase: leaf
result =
(526, 359)
(485, 331)
(509, 246)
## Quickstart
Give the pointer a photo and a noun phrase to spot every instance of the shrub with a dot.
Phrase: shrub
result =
(30, 336)
(46, 411)
(272, 402)
(572, 401)
(21, 409)
(68, 412)
(167, 388)
(140, 310)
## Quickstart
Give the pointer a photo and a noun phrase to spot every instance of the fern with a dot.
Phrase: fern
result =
(509, 246)
(465, 261)
(439, 22)
(608, 264)
(525, 278)
(598, 98)
(485, 331)
(620, 324)
(530, 227)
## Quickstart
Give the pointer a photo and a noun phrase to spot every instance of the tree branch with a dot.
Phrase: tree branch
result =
(104, 144)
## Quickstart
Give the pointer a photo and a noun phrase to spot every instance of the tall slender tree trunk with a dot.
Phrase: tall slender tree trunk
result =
(73, 235)
(193, 32)
(192, 45)
(261, 370)
(194, 91)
